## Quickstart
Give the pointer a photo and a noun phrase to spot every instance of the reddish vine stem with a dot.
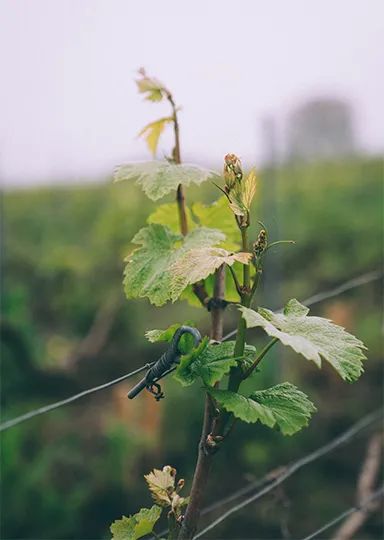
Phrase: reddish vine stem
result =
(217, 312)
(198, 288)
(181, 207)
(180, 198)
(204, 460)
(205, 457)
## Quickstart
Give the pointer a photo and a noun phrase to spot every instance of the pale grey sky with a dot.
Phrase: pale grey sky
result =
(69, 108)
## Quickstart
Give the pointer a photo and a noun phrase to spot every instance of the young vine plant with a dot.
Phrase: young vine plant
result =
(203, 253)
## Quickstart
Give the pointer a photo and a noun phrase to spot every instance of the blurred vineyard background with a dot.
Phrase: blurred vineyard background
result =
(66, 326)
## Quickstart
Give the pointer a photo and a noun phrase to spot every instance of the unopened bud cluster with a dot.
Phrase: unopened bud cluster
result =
(260, 244)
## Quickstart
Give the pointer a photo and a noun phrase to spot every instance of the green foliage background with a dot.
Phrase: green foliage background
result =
(70, 473)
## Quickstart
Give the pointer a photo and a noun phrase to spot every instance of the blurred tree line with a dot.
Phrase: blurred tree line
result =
(66, 327)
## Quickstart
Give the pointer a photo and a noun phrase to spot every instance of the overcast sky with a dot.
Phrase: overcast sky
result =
(69, 108)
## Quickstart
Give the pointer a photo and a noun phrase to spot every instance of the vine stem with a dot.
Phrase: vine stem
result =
(235, 376)
(173, 527)
(217, 312)
(246, 269)
(205, 458)
(180, 198)
(198, 288)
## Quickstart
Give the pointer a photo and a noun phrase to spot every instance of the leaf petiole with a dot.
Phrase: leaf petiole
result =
(259, 358)
(235, 280)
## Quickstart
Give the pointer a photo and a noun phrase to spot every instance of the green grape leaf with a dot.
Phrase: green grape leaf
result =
(162, 335)
(282, 405)
(158, 178)
(168, 215)
(313, 337)
(151, 271)
(136, 526)
(291, 408)
(216, 214)
(186, 343)
(184, 373)
(242, 407)
(152, 131)
(210, 361)
(197, 264)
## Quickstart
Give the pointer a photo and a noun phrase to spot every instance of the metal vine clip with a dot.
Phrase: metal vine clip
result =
(164, 364)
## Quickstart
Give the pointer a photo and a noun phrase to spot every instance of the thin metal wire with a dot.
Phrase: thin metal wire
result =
(257, 484)
(361, 507)
(353, 283)
(289, 470)
(331, 293)
(229, 498)
(348, 285)
(31, 414)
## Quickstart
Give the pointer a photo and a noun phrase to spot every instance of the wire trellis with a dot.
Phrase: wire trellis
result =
(278, 475)
(348, 285)
(289, 470)
(359, 508)
(47, 408)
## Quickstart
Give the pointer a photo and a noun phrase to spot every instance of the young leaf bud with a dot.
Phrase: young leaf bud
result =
(169, 470)
(153, 89)
(233, 172)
